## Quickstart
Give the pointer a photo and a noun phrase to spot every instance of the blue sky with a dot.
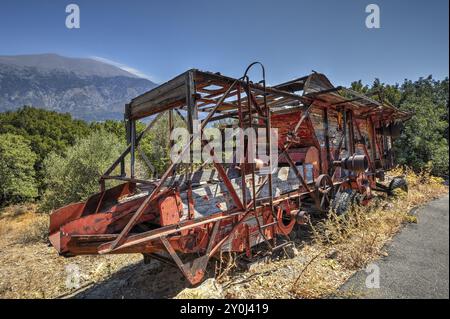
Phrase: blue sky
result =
(164, 38)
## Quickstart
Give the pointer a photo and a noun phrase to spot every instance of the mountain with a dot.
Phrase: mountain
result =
(88, 89)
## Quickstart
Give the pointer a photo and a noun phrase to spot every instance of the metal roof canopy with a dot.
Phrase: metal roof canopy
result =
(203, 89)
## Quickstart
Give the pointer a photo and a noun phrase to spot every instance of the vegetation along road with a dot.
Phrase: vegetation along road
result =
(417, 261)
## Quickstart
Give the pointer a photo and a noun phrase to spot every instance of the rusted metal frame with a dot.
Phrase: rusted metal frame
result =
(211, 93)
(141, 238)
(208, 101)
(269, 155)
(127, 150)
(219, 103)
(379, 109)
(191, 272)
(351, 131)
(133, 146)
(316, 143)
(228, 115)
(271, 100)
(212, 101)
(260, 230)
(311, 128)
(282, 102)
(254, 191)
(315, 94)
(130, 179)
(385, 147)
(184, 269)
(346, 101)
(231, 114)
(296, 171)
(346, 127)
(258, 191)
(335, 158)
(361, 96)
(181, 116)
(327, 139)
(171, 127)
(235, 114)
(366, 152)
(122, 168)
(268, 145)
(302, 119)
(255, 103)
(235, 227)
(223, 175)
(212, 238)
(392, 155)
(168, 172)
(243, 167)
(271, 103)
(224, 80)
(290, 195)
(99, 202)
(283, 152)
(146, 159)
(220, 170)
(250, 120)
(192, 110)
(380, 147)
(191, 204)
(372, 140)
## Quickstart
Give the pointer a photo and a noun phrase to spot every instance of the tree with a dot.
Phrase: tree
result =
(424, 142)
(74, 176)
(17, 176)
(47, 131)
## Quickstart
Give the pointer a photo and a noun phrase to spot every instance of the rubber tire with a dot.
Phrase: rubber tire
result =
(343, 201)
(397, 182)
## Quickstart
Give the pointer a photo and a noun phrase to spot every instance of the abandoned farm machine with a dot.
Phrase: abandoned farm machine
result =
(333, 146)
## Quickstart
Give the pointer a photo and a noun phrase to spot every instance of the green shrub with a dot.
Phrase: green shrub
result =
(73, 177)
(17, 175)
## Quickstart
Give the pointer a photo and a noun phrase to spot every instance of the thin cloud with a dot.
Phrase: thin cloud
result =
(125, 68)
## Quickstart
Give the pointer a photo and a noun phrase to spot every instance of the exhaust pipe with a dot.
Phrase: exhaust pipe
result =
(355, 163)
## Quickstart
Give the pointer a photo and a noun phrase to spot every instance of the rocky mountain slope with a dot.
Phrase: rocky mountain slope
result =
(86, 88)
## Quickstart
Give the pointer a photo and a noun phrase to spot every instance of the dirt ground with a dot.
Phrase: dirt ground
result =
(31, 268)
(36, 271)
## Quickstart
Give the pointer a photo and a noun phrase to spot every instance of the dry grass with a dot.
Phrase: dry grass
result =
(334, 250)
(339, 246)
(30, 268)
(21, 224)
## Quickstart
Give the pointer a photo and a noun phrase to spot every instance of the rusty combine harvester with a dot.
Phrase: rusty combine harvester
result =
(334, 146)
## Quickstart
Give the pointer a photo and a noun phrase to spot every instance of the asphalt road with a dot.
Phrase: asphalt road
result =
(417, 261)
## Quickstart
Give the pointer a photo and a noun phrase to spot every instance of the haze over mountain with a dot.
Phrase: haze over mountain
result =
(88, 89)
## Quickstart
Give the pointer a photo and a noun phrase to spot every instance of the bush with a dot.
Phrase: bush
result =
(424, 142)
(73, 177)
(17, 175)
(34, 231)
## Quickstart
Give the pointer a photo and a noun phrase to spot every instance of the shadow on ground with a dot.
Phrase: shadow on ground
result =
(150, 281)
(154, 280)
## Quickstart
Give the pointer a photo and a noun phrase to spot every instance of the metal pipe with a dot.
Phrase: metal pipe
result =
(133, 146)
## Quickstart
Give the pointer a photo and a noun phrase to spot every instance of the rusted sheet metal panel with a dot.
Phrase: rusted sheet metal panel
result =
(159, 99)
(317, 82)
(211, 199)
(285, 123)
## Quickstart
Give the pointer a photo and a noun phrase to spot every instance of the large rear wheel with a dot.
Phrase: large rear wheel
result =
(324, 192)
(397, 183)
(343, 201)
